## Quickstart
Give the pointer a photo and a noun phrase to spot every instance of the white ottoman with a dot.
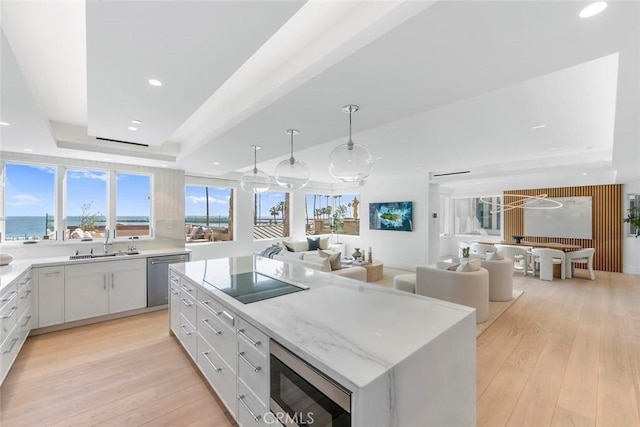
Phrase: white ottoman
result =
(405, 282)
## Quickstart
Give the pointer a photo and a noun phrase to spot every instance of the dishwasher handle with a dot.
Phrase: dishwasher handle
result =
(168, 261)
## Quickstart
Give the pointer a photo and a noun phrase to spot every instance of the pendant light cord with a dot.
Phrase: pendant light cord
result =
(350, 142)
(291, 159)
(255, 160)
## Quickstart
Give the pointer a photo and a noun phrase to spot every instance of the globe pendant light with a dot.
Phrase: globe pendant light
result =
(255, 181)
(350, 162)
(291, 173)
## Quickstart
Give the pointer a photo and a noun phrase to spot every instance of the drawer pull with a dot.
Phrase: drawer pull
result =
(9, 296)
(186, 302)
(13, 310)
(13, 343)
(174, 279)
(52, 273)
(255, 368)
(254, 343)
(255, 417)
(206, 355)
(26, 322)
(208, 304)
(174, 292)
(206, 322)
(186, 331)
(26, 294)
(25, 281)
(186, 288)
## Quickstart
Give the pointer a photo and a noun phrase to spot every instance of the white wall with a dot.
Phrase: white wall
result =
(630, 244)
(399, 249)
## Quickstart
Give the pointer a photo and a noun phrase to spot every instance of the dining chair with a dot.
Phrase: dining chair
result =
(547, 258)
(521, 256)
(582, 256)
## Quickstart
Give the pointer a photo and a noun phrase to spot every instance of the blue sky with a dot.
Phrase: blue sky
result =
(195, 201)
(30, 190)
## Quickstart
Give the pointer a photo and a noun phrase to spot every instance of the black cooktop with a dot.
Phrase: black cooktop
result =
(252, 286)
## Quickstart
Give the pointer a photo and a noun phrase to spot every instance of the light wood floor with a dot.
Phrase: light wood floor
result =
(566, 353)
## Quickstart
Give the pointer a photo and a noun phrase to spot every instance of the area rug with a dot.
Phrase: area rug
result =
(496, 308)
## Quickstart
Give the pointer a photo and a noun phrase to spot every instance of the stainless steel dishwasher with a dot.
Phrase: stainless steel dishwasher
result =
(158, 277)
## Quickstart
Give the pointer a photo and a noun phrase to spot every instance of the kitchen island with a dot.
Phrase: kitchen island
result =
(406, 360)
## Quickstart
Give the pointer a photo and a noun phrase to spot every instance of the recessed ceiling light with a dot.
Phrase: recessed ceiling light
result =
(4, 124)
(593, 9)
(216, 163)
(164, 166)
(538, 127)
(378, 158)
(132, 128)
(136, 122)
(584, 174)
(154, 82)
(28, 150)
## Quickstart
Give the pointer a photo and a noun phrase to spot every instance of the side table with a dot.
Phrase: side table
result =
(374, 270)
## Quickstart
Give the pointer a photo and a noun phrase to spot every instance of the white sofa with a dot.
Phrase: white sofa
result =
(312, 262)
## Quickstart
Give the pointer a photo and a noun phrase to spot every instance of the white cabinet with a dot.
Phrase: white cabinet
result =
(128, 286)
(86, 291)
(50, 295)
(15, 319)
(231, 353)
(174, 303)
(103, 288)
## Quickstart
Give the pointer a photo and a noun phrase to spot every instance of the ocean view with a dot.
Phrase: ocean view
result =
(17, 227)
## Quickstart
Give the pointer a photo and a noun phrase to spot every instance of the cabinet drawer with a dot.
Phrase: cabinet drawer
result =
(8, 316)
(253, 336)
(218, 335)
(188, 307)
(220, 376)
(250, 411)
(25, 322)
(220, 311)
(25, 294)
(253, 370)
(188, 336)
(188, 288)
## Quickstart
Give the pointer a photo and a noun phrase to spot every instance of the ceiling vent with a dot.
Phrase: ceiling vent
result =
(435, 175)
(123, 142)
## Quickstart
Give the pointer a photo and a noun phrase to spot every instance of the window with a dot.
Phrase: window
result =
(86, 204)
(133, 205)
(270, 215)
(337, 213)
(472, 216)
(634, 209)
(208, 213)
(29, 207)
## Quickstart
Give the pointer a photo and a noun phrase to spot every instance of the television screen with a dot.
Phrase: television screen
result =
(396, 216)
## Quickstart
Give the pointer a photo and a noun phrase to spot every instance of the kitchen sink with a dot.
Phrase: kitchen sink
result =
(108, 254)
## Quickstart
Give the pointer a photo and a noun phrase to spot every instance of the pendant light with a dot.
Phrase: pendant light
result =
(255, 181)
(350, 162)
(292, 173)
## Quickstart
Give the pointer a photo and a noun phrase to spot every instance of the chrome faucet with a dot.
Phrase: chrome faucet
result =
(106, 240)
(132, 245)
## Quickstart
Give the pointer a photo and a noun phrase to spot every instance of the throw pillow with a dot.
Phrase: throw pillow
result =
(468, 266)
(495, 256)
(314, 243)
(289, 246)
(334, 259)
(324, 242)
(292, 255)
(453, 267)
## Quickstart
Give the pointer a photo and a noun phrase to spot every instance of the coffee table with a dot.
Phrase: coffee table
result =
(374, 270)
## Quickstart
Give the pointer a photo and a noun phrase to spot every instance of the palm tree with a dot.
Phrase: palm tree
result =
(274, 212)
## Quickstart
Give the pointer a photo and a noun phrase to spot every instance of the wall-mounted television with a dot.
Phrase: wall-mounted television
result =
(395, 216)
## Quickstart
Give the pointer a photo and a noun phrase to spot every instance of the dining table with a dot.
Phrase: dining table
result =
(565, 247)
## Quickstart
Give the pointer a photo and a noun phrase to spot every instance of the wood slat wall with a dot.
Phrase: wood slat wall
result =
(607, 222)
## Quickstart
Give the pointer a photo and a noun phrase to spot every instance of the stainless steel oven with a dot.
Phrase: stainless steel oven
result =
(303, 396)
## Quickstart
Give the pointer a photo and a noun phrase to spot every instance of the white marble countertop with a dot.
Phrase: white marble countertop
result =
(10, 272)
(353, 331)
